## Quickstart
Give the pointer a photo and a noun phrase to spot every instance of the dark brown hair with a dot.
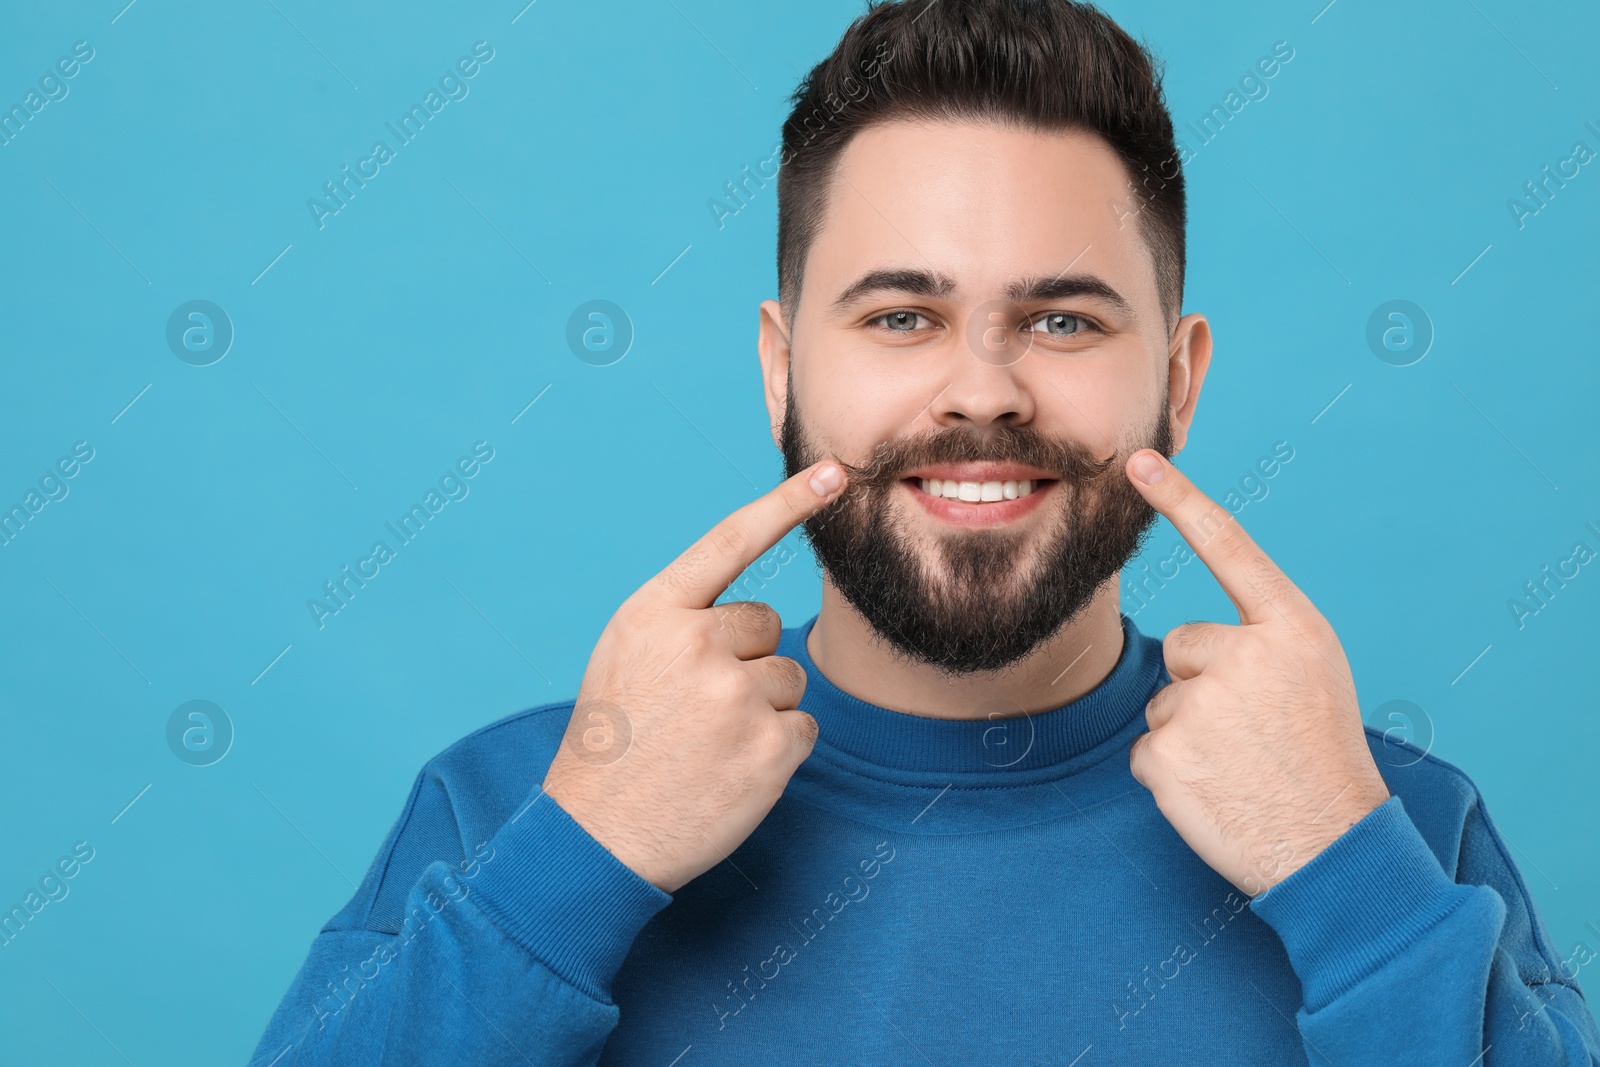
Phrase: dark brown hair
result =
(1043, 64)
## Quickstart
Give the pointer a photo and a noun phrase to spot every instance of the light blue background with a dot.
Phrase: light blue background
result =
(433, 309)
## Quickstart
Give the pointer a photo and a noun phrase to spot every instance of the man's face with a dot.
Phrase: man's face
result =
(975, 310)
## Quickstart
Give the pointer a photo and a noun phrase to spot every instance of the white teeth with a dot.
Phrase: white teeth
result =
(976, 492)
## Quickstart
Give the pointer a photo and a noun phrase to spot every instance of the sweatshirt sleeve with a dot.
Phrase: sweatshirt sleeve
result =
(1399, 963)
(503, 957)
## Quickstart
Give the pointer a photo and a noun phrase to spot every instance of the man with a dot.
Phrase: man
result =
(1007, 827)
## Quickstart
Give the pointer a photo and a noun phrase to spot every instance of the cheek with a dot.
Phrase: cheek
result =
(1092, 399)
(849, 405)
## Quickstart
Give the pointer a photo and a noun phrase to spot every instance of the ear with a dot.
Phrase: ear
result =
(1187, 361)
(773, 345)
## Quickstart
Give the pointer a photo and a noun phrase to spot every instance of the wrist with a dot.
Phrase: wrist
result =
(638, 857)
(563, 897)
(1300, 845)
(1371, 896)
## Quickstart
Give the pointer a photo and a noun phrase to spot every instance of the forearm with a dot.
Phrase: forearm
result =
(1400, 964)
(511, 966)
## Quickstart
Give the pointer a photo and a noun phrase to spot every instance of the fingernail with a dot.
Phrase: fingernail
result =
(825, 479)
(1149, 469)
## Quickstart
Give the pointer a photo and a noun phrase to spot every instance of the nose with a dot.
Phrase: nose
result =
(984, 383)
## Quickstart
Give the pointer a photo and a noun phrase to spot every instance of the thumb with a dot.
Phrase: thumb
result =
(803, 732)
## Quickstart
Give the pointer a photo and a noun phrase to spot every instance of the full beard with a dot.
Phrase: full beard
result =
(980, 600)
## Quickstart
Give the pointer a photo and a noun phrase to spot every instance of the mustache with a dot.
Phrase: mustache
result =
(1069, 461)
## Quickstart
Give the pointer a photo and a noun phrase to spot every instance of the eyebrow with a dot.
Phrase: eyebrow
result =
(895, 280)
(1025, 290)
(1028, 290)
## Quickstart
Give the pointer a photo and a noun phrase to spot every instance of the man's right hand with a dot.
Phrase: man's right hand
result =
(686, 729)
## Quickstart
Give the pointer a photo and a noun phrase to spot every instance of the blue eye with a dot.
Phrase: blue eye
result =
(1060, 323)
(899, 321)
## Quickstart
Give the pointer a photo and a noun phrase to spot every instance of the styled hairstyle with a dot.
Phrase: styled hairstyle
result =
(1042, 64)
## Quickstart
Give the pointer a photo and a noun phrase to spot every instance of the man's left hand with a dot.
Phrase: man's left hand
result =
(1255, 752)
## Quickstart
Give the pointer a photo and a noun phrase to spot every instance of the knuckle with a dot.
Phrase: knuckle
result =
(1328, 641)
(631, 606)
(1140, 759)
(773, 740)
(805, 728)
(1256, 652)
(1208, 523)
(788, 672)
(1319, 630)
(1264, 577)
(634, 614)
(747, 617)
(682, 575)
(727, 615)
(1199, 691)
(700, 637)
(1153, 747)
(798, 502)
(1238, 554)
(727, 540)
(732, 686)
(1163, 708)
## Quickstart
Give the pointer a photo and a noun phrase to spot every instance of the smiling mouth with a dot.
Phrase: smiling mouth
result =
(979, 492)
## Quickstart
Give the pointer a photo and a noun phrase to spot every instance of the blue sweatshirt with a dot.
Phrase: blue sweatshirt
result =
(929, 891)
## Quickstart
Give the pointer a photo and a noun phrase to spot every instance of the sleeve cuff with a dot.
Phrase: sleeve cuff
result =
(564, 897)
(1359, 903)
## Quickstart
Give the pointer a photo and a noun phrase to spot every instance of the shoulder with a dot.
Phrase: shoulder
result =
(459, 799)
(485, 776)
(1438, 796)
(488, 773)
(1450, 812)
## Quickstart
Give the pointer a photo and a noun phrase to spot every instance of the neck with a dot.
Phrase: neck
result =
(1078, 657)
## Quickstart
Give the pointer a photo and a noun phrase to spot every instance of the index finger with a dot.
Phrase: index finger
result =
(1260, 591)
(697, 577)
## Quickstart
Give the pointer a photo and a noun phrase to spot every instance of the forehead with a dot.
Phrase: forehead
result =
(981, 201)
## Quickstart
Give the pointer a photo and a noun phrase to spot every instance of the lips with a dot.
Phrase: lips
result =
(975, 492)
(979, 504)
(979, 482)
(983, 472)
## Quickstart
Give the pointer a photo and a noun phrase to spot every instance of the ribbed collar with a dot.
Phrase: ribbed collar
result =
(908, 742)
